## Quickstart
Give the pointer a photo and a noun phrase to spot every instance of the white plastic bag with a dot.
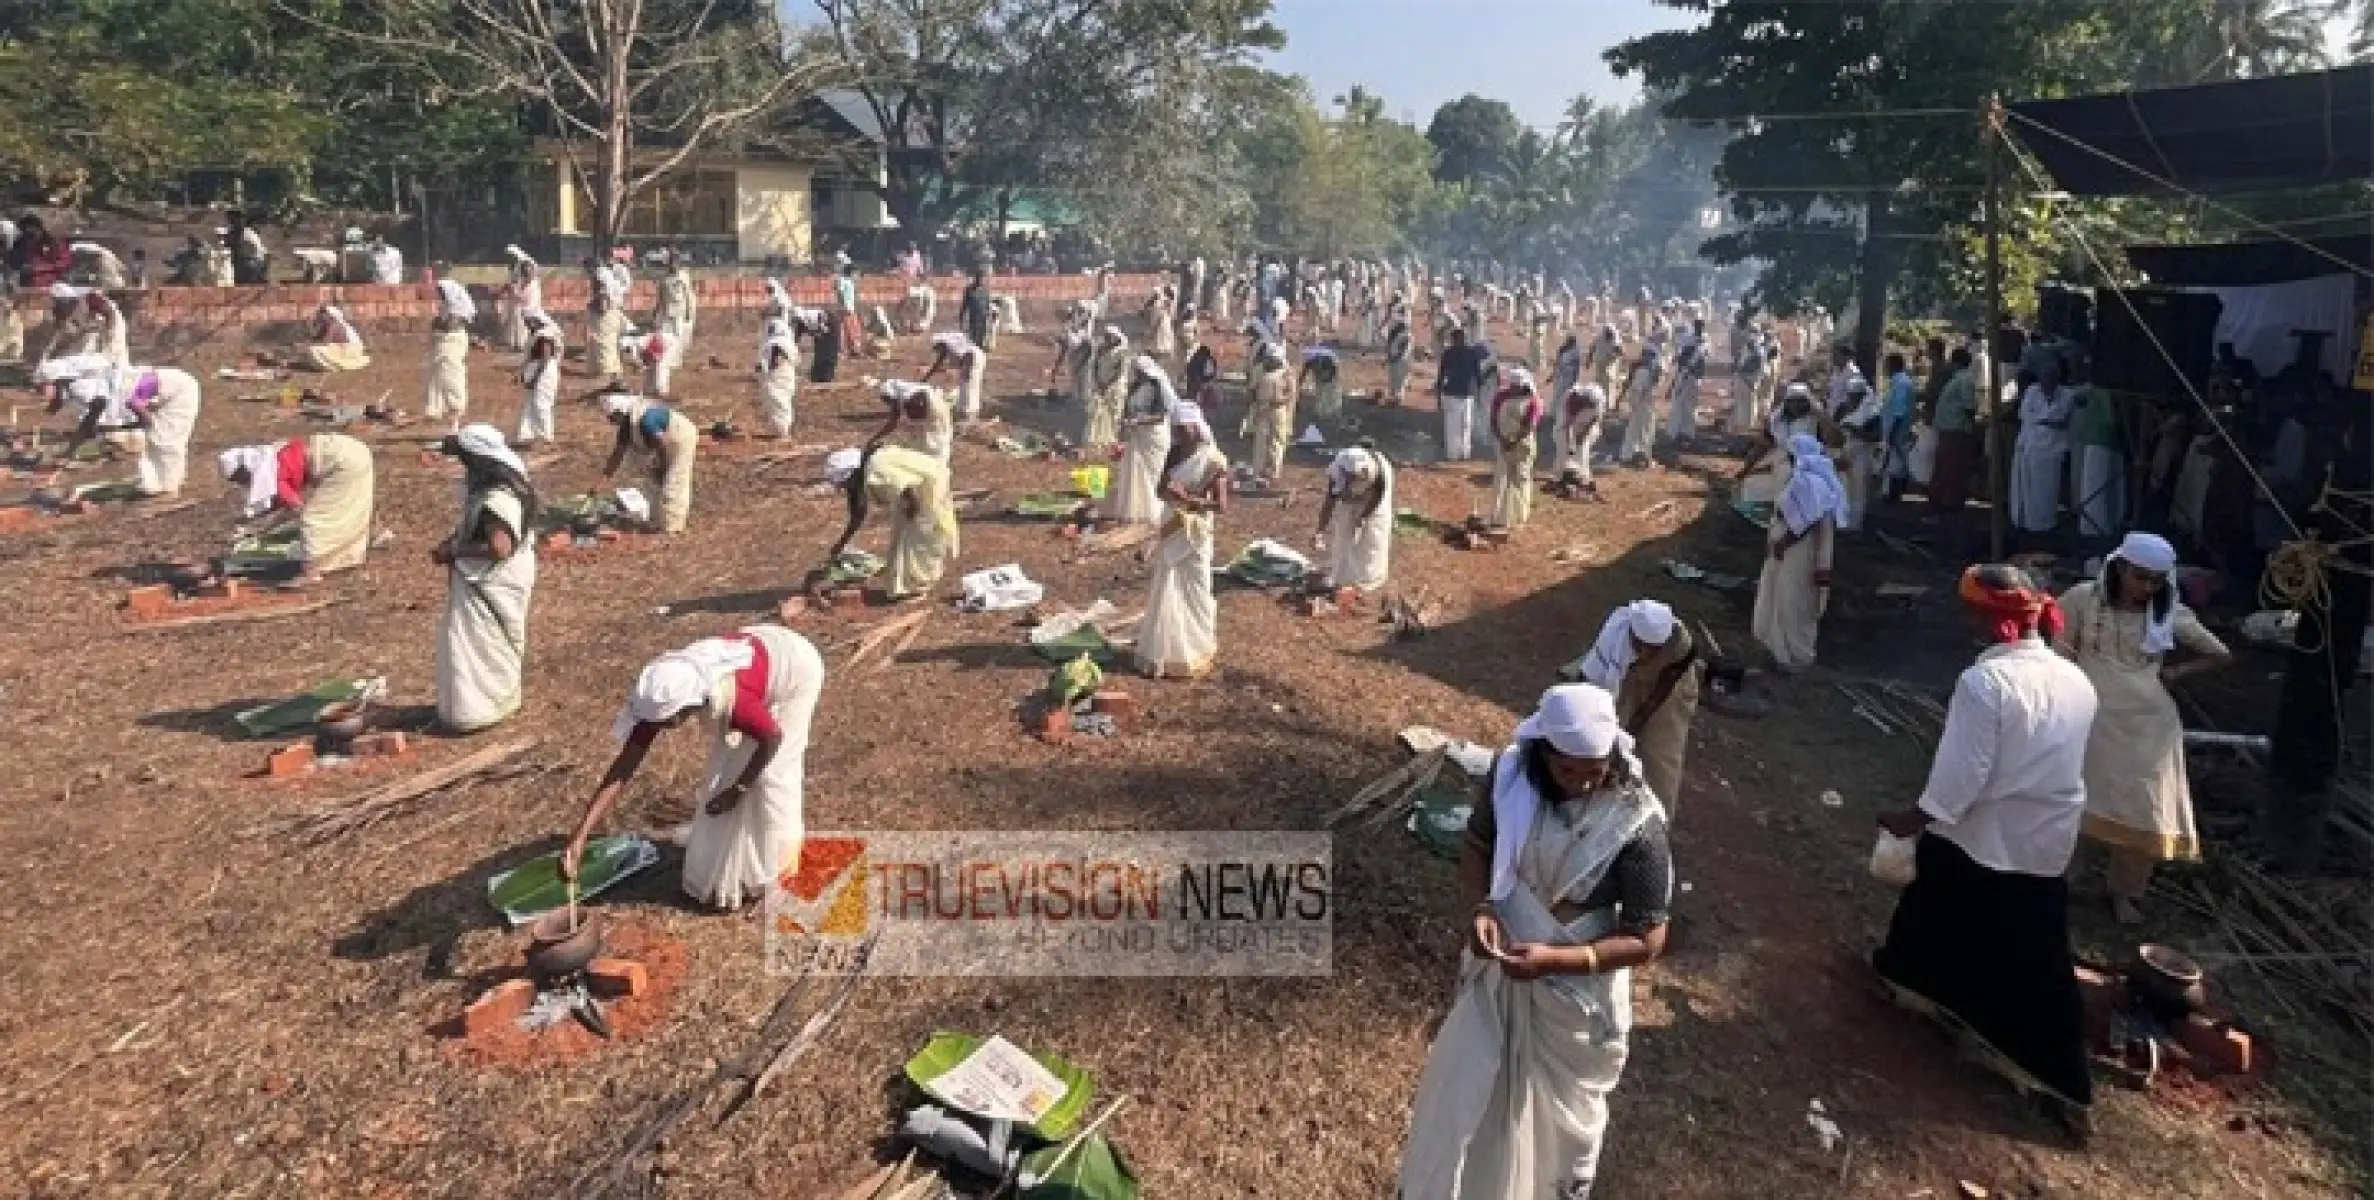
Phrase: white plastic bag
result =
(1892, 859)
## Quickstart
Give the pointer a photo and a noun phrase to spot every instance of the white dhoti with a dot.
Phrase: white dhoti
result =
(1747, 415)
(165, 451)
(2101, 491)
(608, 328)
(2037, 468)
(1862, 463)
(1459, 415)
(969, 388)
(738, 856)
(1640, 426)
(449, 375)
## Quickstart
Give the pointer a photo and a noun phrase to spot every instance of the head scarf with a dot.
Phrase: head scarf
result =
(1518, 379)
(1312, 354)
(481, 440)
(1188, 414)
(2017, 607)
(899, 391)
(776, 294)
(680, 679)
(1643, 621)
(952, 343)
(63, 292)
(1579, 720)
(1814, 491)
(1113, 335)
(1591, 394)
(517, 254)
(620, 405)
(1352, 467)
(89, 391)
(262, 465)
(1153, 373)
(457, 299)
(2149, 552)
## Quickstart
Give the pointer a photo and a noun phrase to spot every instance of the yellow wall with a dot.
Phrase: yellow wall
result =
(772, 211)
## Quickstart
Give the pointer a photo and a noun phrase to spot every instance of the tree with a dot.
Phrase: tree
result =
(978, 99)
(629, 89)
(2206, 41)
(1472, 137)
(1856, 144)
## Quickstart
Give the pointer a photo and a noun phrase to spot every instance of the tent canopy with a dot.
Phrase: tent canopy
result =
(2252, 264)
(2282, 131)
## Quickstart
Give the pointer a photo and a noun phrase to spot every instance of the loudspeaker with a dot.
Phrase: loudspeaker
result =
(2185, 326)
(2066, 313)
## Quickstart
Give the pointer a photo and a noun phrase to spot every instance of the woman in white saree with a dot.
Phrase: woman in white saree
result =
(758, 690)
(1146, 432)
(490, 563)
(1356, 518)
(1180, 634)
(1568, 876)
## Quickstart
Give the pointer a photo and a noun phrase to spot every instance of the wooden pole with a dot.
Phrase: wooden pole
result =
(1998, 422)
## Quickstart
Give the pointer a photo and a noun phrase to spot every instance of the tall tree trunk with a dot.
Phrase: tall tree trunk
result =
(1874, 271)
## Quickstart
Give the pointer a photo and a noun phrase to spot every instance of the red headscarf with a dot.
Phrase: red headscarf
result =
(2017, 606)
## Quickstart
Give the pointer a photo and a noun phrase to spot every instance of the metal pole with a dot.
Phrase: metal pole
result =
(1998, 423)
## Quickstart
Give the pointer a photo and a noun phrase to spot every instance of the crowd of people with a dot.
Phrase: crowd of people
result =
(2064, 729)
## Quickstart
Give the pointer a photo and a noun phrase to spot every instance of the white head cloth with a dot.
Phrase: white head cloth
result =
(776, 336)
(619, 404)
(263, 474)
(457, 299)
(517, 254)
(485, 441)
(1189, 414)
(1519, 379)
(1591, 394)
(1642, 621)
(1578, 720)
(64, 292)
(2153, 553)
(1354, 467)
(899, 391)
(681, 679)
(841, 464)
(1814, 491)
(1145, 365)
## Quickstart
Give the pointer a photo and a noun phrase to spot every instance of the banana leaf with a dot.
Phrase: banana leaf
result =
(1087, 640)
(1095, 1171)
(1753, 512)
(1048, 505)
(110, 492)
(1439, 817)
(534, 887)
(301, 710)
(946, 1051)
(1411, 521)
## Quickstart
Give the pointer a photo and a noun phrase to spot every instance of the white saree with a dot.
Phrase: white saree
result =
(1513, 1101)
(1180, 634)
(482, 644)
(740, 855)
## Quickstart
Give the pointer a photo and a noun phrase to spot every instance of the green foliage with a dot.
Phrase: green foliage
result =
(1473, 137)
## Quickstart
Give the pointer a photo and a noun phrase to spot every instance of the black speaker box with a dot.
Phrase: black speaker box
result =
(2184, 325)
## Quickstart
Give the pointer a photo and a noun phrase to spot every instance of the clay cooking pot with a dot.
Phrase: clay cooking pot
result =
(2167, 982)
(555, 951)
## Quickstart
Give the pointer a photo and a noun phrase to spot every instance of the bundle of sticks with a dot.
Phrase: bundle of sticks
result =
(352, 814)
(1391, 794)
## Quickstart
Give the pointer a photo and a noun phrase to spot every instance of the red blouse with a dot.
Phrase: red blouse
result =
(289, 492)
(751, 716)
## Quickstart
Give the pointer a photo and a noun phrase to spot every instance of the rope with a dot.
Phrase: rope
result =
(2171, 185)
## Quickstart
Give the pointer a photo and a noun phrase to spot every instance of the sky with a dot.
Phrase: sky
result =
(1417, 54)
(1535, 54)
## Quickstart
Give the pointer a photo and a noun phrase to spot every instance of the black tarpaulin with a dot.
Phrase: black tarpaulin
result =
(2283, 131)
(2252, 264)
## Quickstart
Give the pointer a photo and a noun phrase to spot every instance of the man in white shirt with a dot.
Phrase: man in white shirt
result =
(387, 263)
(1982, 934)
(2040, 457)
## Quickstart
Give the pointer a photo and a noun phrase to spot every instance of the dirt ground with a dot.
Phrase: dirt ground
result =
(194, 1009)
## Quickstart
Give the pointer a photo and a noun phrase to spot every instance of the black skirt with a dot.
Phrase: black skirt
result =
(825, 362)
(1991, 948)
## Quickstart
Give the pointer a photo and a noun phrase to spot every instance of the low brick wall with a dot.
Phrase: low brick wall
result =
(185, 316)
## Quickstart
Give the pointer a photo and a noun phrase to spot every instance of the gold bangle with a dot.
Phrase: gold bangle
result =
(1591, 966)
